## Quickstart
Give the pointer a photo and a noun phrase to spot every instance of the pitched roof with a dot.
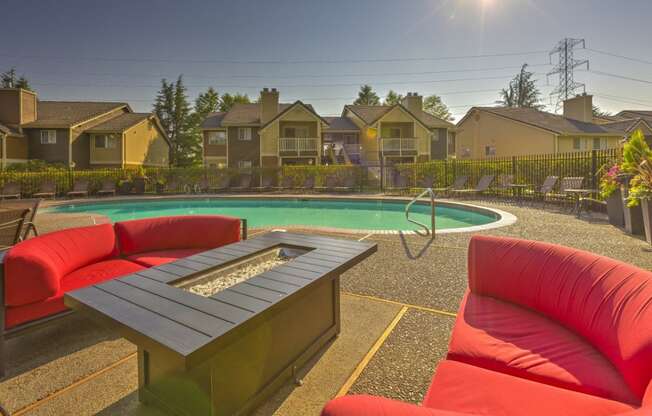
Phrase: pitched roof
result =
(65, 114)
(120, 123)
(629, 124)
(371, 113)
(213, 120)
(640, 113)
(548, 121)
(340, 124)
(246, 114)
(282, 111)
(8, 130)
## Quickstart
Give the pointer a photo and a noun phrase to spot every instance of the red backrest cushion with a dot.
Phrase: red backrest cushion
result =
(165, 233)
(607, 302)
(33, 268)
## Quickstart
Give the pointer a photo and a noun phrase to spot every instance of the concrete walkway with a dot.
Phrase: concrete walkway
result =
(398, 308)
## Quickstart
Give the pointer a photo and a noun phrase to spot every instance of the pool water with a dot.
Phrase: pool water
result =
(359, 215)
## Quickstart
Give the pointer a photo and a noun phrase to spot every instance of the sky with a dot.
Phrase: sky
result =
(322, 51)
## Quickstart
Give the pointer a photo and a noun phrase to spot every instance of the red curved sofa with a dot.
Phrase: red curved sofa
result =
(542, 330)
(38, 271)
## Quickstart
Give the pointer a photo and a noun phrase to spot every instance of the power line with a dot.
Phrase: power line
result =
(615, 55)
(565, 67)
(276, 61)
(608, 74)
(621, 100)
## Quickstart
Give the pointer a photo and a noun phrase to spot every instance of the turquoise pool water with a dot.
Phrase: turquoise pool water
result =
(360, 215)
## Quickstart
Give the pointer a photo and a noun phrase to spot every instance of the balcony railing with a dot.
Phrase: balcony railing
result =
(399, 145)
(299, 145)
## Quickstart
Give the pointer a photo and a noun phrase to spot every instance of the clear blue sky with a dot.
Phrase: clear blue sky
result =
(119, 50)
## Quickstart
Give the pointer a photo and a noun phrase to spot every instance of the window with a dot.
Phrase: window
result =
(395, 133)
(350, 139)
(490, 151)
(599, 143)
(244, 164)
(216, 137)
(105, 141)
(244, 133)
(48, 137)
(577, 143)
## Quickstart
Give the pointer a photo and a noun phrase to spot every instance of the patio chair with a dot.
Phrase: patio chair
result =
(80, 188)
(347, 185)
(202, 186)
(11, 190)
(330, 183)
(222, 184)
(458, 183)
(287, 183)
(11, 225)
(308, 184)
(546, 188)
(244, 183)
(47, 189)
(108, 187)
(504, 184)
(29, 225)
(266, 184)
(427, 181)
(483, 185)
(399, 185)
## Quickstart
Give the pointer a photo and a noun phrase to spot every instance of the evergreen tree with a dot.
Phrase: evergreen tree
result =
(9, 79)
(227, 101)
(393, 98)
(434, 105)
(522, 91)
(598, 112)
(172, 108)
(207, 102)
(367, 96)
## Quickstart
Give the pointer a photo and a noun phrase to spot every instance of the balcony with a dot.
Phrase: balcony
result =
(298, 146)
(398, 146)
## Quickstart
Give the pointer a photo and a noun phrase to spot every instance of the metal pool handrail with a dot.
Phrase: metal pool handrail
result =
(430, 192)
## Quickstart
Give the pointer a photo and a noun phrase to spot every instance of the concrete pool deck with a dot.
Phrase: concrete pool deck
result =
(398, 307)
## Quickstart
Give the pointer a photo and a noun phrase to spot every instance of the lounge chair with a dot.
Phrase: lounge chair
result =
(287, 183)
(222, 184)
(108, 187)
(308, 184)
(266, 184)
(80, 188)
(244, 183)
(330, 183)
(458, 183)
(504, 184)
(47, 189)
(400, 184)
(546, 188)
(427, 181)
(483, 185)
(202, 186)
(29, 225)
(346, 185)
(11, 225)
(11, 190)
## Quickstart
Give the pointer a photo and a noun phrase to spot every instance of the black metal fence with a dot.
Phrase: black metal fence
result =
(531, 170)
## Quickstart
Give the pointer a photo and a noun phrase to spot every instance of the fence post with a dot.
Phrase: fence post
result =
(514, 170)
(454, 170)
(594, 168)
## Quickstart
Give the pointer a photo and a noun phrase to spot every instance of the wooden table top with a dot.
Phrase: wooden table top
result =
(149, 311)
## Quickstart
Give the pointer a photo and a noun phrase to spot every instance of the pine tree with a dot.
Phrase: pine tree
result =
(434, 105)
(522, 91)
(367, 96)
(227, 101)
(393, 98)
(207, 102)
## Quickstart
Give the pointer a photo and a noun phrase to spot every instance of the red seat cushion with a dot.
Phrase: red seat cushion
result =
(167, 233)
(155, 258)
(503, 337)
(85, 276)
(34, 268)
(363, 405)
(604, 301)
(463, 388)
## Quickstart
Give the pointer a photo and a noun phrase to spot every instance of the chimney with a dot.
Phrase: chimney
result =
(413, 102)
(268, 104)
(579, 108)
(17, 106)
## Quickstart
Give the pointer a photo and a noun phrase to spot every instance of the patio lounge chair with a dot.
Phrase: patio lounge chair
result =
(266, 184)
(308, 184)
(80, 188)
(11, 190)
(399, 185)
(427, 181)
(503, 184)
(542, 330)
(108, 187)
(222, 184)
(546, 188)
(47, 189)
(11, 225)
(287, 183)
(483, 185)
(330, 183)
(29, 225)
(244, 183)
(347, 184)
(458, 183)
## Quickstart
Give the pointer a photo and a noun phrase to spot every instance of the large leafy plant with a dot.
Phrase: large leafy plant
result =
(637, 161)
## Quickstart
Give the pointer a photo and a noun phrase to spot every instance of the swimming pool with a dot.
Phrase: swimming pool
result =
(361, 215)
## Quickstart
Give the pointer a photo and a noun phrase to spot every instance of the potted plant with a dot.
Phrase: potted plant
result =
(637, 161)
(160, 186)
(139, 180)
(125, 186)
(610, 191)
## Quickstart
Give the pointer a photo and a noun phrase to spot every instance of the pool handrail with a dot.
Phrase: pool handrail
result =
(430, 192)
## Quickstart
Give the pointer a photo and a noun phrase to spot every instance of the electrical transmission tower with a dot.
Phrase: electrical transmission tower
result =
(564, 68)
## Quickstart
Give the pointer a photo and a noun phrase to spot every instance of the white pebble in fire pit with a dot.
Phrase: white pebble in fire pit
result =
(219, 281)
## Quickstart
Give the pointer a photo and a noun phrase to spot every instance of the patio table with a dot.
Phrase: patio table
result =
(578, 195)
(517, 190)
(224, 354)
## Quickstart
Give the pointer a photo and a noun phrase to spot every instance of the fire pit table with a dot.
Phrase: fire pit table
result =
(220, 331)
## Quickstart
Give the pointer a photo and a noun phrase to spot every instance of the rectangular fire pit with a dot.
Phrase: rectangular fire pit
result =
(220, 331)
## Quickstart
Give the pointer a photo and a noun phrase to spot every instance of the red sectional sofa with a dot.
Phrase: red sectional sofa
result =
(39, 271)
(543, 330)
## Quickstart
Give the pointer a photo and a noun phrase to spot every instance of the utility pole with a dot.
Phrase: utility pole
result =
(564, 67)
